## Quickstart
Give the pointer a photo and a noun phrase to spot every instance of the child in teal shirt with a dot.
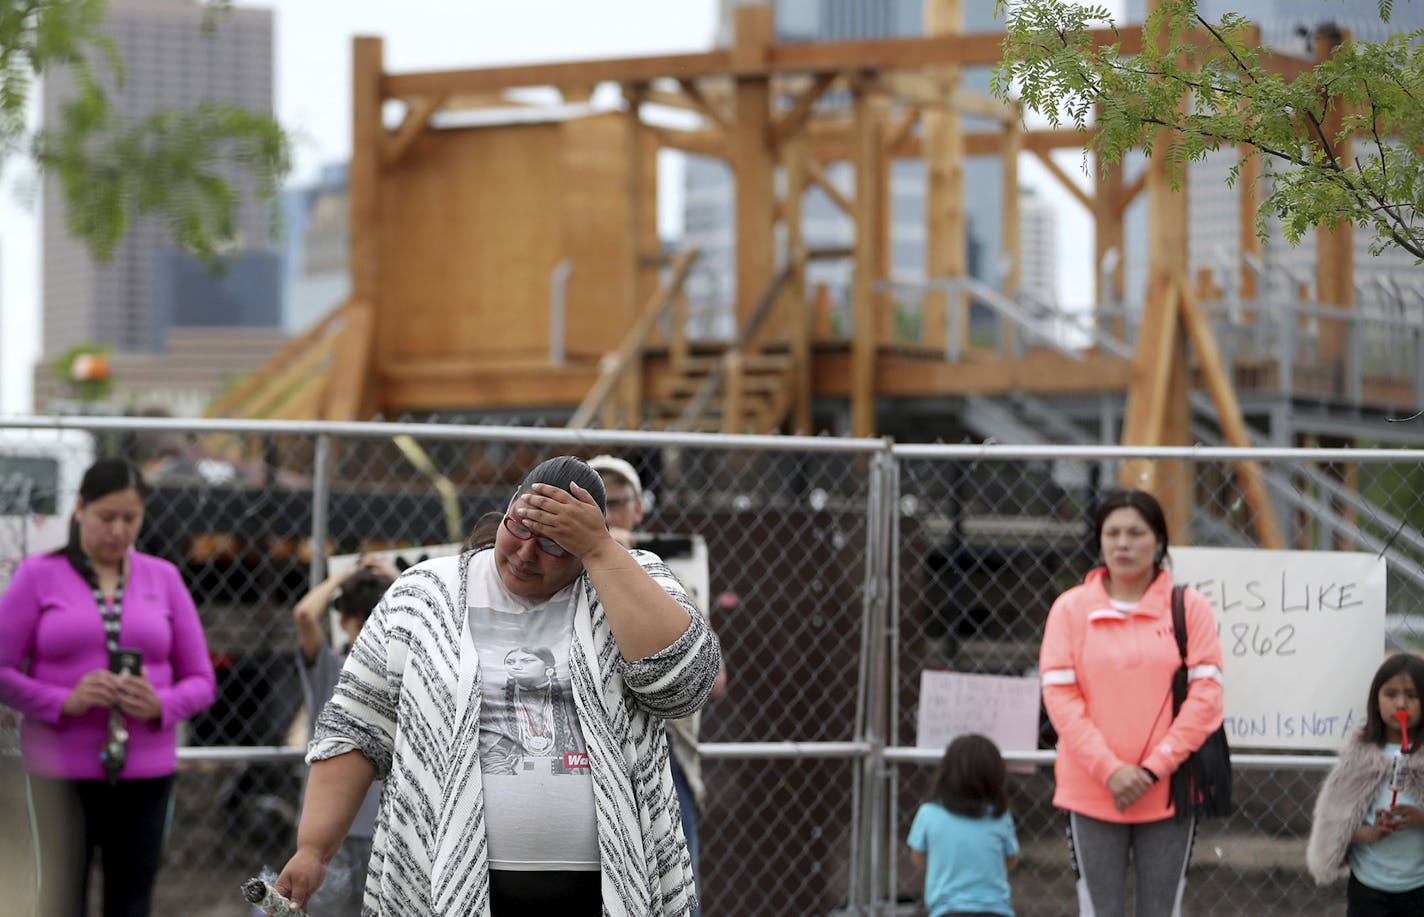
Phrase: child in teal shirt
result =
(964, 839)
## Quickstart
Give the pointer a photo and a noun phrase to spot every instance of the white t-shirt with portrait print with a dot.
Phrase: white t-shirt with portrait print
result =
(539, 808)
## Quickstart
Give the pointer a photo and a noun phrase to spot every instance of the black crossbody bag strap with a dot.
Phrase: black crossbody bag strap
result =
(1179, 629)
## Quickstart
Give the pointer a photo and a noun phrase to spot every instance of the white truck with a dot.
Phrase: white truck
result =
(40, 470)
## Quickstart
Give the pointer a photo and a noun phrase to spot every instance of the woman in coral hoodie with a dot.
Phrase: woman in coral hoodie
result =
(1107, 662)
(102, 651)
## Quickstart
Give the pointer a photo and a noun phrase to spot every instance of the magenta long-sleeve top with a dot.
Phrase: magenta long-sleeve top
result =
(52, 634)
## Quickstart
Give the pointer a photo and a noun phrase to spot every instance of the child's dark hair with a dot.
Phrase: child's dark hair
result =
(1398, 664)
(361, 593)
(972, 779)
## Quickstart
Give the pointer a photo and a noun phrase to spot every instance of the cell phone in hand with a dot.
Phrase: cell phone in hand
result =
(125, 661)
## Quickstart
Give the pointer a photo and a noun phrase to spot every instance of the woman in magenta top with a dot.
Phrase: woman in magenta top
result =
(99, 747)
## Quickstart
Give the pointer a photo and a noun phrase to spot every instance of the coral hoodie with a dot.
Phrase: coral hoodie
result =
(1107, 686)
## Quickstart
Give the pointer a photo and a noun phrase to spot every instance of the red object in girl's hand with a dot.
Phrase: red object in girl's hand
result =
(1403, 717)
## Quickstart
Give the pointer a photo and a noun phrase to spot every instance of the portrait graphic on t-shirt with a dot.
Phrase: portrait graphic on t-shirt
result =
(528, 722)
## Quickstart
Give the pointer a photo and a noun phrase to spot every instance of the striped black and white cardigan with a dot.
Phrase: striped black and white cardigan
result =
(410, 703)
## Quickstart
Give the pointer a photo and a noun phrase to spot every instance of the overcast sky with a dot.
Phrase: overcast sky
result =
(313, 80)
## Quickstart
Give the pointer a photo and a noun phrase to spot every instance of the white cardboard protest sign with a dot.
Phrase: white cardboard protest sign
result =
(1302, 633)
(1002, 707)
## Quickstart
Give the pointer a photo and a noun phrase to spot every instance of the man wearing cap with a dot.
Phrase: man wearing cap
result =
(624, 489)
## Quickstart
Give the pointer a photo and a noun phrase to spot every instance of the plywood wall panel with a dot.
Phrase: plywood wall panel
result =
(470, 236)
(596, 214)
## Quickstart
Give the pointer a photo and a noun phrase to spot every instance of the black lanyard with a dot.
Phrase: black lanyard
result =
(111, 612)
(114, 754)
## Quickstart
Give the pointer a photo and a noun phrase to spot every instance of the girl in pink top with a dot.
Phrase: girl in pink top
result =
(1107, 662)
(99, 745)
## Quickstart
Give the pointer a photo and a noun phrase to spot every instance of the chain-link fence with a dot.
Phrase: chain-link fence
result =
(844, 568)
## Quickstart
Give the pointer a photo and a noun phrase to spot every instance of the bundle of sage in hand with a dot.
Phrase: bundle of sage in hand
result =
(260, 893)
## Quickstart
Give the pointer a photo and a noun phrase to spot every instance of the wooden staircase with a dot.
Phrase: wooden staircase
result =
(723, 391)
(745, 386)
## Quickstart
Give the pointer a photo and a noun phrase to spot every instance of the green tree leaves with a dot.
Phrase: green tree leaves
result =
(170, 165)
(1203, 85)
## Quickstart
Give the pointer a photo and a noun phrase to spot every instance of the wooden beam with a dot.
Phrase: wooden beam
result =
(354, 395)
(630, 384)
(921, 90)
(1010, 240)
(1233, 424)
(791, 123)
(968, 50)
(864, 341)
(820, 179)
(902, 131)
(832, 142)
(367, 133)
(913, 90)
(1067, 181)
(411, 387)
(946, 223)
(798, 315)
(1144, 418)
(1040, 370)
(982, 105)
(1248, 187)
(701, 103)
(417, 118)
(1128, 193)
(702, 142)
(752, 161)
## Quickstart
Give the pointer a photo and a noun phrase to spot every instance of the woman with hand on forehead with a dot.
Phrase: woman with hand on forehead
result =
(553, 798)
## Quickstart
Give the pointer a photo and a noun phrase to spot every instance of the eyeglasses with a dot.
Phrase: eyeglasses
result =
(547, 545)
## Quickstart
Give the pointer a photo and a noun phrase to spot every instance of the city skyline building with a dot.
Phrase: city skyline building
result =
(315, 273)
(176, 55)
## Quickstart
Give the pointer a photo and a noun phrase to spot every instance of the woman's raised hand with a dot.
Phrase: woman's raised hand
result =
(572, 519)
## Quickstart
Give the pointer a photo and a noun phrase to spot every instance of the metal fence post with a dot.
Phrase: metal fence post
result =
(321, 508)
(892, 572)
(869, 870)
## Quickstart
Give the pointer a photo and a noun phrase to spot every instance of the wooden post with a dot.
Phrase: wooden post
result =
(798, 319)
(864, 344)
(946, 237)
(752, 160)
(630, 386)
(1335, 252)
(1167, 411)
(1010, 241)
(364, 354)
(1249, 187)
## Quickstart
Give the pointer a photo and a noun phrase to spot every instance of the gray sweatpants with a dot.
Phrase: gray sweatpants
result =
(1160, 851)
